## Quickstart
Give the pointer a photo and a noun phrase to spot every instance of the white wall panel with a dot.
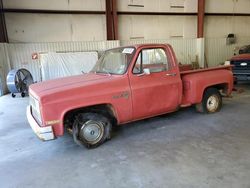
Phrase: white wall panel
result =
(88, 27)
(218, 52)
(157, 5)
(185, 49)
(56, 4)
(221, 26)
(20, 54)
(227, 6)
(54, 28)
(156, 27)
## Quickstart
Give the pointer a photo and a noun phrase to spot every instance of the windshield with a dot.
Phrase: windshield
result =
(114, 61)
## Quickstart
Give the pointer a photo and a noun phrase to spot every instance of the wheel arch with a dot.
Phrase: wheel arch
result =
(105, 109)
(220, 87)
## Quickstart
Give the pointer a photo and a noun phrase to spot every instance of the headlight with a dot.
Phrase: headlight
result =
(35, 109)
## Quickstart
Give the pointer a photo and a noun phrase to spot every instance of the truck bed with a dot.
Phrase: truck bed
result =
(197, 80)
(229, 67)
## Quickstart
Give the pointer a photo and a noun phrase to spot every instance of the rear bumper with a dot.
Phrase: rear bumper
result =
(44, 133)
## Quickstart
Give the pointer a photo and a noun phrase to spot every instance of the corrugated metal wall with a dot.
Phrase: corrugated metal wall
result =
(185, 49)
(217, 52)
(18, 55)
(4, 67)
(21, 53)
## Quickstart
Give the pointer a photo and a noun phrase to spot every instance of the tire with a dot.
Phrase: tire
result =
(211, 101)
(13, 95)
(91, 129)
(23, 94)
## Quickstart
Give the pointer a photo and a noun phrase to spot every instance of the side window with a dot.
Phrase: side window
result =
(153, 59)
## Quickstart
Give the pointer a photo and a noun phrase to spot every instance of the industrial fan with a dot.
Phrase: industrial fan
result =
(18, 81)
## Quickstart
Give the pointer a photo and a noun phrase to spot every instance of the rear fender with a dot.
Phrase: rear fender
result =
(224, 88)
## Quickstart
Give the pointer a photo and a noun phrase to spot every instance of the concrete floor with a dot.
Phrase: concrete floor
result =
(182, 149)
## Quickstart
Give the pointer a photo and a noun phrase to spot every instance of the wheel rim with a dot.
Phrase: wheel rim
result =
(92, 131)
(212, 103)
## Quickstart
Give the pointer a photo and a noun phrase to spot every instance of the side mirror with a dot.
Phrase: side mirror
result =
(146, 71)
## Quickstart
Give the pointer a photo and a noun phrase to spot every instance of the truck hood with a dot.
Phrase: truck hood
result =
(240, 57)
(49, 87)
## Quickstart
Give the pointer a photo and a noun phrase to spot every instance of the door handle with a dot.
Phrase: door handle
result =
(171, 74)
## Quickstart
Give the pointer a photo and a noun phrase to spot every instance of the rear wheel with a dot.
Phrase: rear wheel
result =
(211, 101)
(91, 129)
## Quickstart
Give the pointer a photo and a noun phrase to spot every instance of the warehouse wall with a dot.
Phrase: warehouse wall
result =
(4, 67)
(55, 28)
(21, 54)
(227, 6)
(218, 27)
(63, 32)
(156, 27)
(56, 4)
(157, 5)
(217, 52)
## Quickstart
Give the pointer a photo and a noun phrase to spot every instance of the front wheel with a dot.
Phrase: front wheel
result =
(91, 129)
(211, 101)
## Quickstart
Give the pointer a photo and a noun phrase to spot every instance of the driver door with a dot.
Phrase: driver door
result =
(157, 92)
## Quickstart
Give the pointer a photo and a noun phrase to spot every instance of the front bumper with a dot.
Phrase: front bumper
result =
(242, 77)
(44, 133)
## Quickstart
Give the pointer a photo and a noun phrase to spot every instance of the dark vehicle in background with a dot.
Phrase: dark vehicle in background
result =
(241, 67)
(244, 49)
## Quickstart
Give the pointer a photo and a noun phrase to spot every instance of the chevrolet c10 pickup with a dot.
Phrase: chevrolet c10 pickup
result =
(127, 84)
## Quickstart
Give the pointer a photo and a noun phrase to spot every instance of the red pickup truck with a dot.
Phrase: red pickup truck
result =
(127, 84)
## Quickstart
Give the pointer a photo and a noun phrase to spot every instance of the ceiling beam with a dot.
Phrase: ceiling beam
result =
(43, 11)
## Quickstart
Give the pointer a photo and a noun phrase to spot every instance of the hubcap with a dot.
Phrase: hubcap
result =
(92, 131)
(212, 103)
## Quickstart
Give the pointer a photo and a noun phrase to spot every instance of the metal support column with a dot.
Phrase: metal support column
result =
(111, 20)
(115, 19)
(3, 30)
(201, 13)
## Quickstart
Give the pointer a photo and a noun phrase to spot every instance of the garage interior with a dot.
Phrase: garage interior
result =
(180, 149)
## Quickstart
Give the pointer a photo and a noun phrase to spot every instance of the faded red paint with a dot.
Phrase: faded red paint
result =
(131, 97)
